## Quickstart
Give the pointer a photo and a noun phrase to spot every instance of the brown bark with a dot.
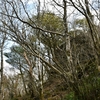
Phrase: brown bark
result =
(1, 83)
(2, 65)
(23, 80)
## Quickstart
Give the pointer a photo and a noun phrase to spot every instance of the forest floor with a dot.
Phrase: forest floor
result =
(55, 89)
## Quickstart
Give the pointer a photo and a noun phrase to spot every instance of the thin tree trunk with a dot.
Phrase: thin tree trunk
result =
(2, 46)
(67, 37)
(1, 83)
(23, 80)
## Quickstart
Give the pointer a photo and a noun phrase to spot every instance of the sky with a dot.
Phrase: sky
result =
(8, 70)
(49, 5)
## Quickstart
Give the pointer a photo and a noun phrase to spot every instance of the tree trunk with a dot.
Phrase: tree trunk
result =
(1, 83)
(23, 80)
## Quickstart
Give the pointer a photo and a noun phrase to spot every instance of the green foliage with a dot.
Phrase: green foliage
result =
(15, 56)
(69, 96)
(50, 21)
(18, 49)
(89, 89)
(81, 22)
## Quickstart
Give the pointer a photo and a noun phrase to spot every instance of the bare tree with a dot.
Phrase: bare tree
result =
(22, 27)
